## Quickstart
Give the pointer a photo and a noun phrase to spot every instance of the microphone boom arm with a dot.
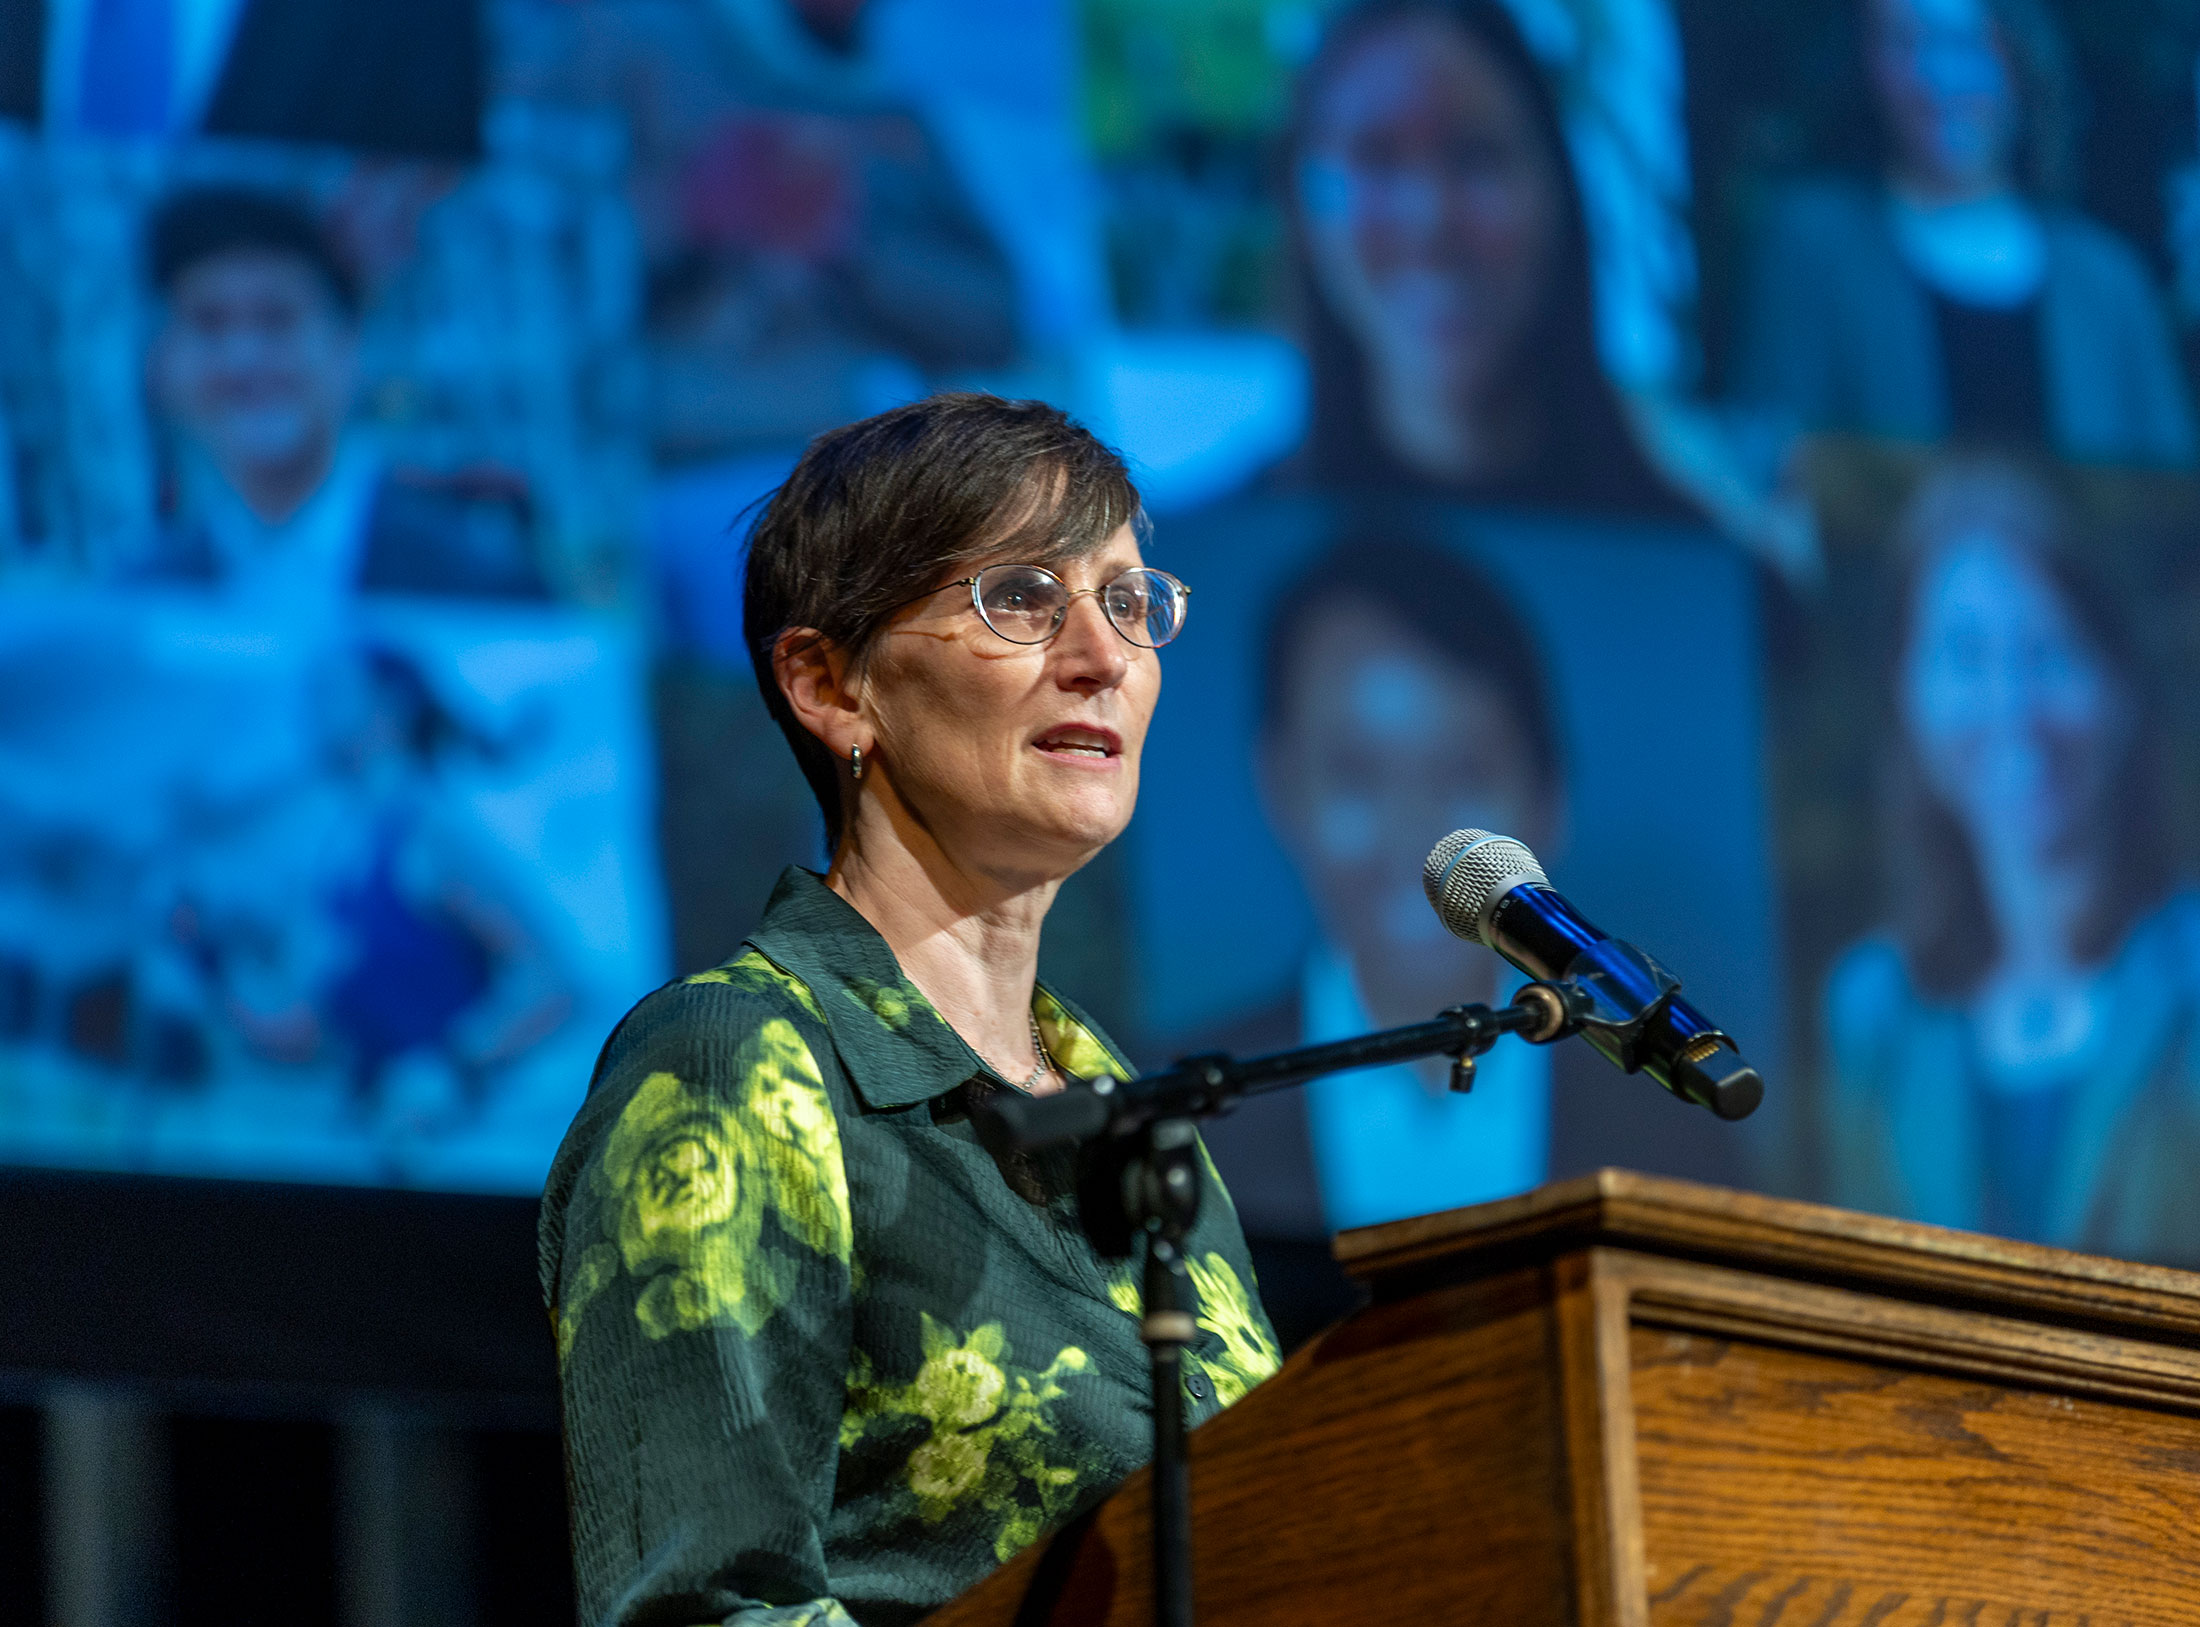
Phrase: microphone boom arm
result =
(1137, 1175)
(1197, 1087)
(1202, 1086)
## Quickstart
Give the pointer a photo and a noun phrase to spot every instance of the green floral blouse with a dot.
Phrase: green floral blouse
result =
(821, 1358)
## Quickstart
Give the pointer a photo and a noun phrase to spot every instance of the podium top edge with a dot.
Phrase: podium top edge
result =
(1776, 1236)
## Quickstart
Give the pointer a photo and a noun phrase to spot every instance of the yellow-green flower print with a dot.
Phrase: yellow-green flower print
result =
(816, 1613)
(987, 1446)
(893, 1004)
(596, 1269)
(1070, 1042)
(674, 1160)
(801, 1138)
(946, 1467)
(753, 971)
(959, 1386)
(689, 1179)
(1226, 1310)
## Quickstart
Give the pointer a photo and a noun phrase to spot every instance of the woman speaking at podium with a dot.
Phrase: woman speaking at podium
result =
(826, 1353)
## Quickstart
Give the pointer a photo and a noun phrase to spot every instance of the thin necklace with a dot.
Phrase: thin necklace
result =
(1043, 1066)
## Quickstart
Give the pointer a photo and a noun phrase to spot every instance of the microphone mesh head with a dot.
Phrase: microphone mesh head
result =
(1468, 870)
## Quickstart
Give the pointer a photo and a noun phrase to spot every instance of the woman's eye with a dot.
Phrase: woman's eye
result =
(1377, 153)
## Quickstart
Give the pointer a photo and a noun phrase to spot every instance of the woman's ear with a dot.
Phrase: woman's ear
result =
(815, 675)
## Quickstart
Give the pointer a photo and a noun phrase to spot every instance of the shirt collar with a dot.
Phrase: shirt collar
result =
(897, 1049)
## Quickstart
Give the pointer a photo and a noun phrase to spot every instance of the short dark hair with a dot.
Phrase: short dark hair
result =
(880, 510)
(1428, 590)
(197, 225)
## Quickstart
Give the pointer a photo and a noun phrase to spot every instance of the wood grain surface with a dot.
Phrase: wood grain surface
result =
(1784, 1488)
(1405, 1456)
(1631, 1402)
(1781, 1237)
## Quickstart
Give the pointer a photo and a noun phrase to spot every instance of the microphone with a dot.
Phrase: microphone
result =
(1489, 889)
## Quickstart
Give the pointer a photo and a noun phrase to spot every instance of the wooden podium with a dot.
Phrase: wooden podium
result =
(1622, 1400)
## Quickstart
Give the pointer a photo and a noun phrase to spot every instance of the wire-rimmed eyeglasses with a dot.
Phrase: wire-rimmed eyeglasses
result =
(1027, 604)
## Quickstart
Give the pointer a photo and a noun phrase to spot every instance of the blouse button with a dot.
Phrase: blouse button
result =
(1196, 1387)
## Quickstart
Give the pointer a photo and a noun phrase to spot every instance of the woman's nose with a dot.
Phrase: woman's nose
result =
(1088, 652)
(1421, 204)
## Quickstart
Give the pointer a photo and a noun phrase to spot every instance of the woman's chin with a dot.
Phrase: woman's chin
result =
(1082, 824)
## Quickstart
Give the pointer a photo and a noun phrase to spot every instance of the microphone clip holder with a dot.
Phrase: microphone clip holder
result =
(1557, 1008)
(1615, 991)
(1629, 1007)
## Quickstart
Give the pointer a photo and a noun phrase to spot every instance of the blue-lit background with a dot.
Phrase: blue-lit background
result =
(381, 389)
(1743, 447)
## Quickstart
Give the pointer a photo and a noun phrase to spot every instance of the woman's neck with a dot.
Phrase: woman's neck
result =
(276, 491)
(1931, 186)
(2036, 906)
(967, 940)
(1445, 431)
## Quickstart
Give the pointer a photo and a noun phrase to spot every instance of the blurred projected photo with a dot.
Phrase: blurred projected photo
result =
(1936, 264)
(1444, 251)
(252, 371)
(391, 76)
(812, 252)
(1370, 678)
(278, 904)
(278, 370)
(324, 823)
(1387, 715)
(2011, 1050)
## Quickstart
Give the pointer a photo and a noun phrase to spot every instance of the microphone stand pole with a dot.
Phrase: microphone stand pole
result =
(1169, 1172)
(1138, 1176)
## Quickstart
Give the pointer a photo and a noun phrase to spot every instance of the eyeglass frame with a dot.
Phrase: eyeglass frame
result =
(1062, 617)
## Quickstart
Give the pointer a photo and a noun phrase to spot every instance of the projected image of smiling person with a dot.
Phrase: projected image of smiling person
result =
(1403, 700)
(1445, 258)
(258, 350)
(280, 499)
(2007, 1056)
(1956, 291)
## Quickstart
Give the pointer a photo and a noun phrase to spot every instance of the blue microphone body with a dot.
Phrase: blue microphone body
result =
(1490, 889)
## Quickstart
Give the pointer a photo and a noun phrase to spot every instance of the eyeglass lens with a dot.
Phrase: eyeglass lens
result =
(1025, 604)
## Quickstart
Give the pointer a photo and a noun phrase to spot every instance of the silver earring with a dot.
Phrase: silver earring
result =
(855, 762)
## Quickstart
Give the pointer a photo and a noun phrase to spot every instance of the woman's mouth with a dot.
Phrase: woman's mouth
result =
(1080, 743)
